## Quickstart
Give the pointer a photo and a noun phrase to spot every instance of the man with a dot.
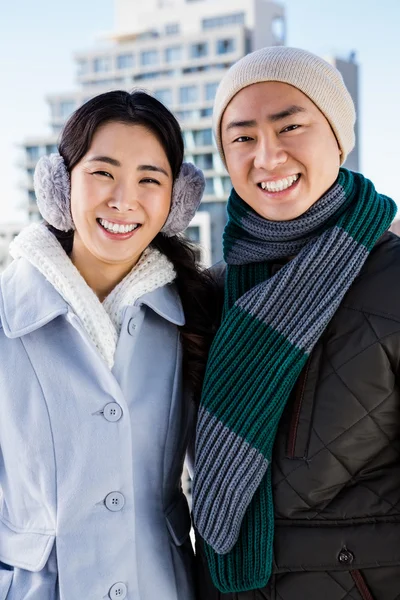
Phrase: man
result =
(297, 472)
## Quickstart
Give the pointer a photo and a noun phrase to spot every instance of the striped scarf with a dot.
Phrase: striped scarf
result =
(270, 325)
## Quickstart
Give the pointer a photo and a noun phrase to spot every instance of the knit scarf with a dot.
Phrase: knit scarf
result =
(101, 320)
(270, 325)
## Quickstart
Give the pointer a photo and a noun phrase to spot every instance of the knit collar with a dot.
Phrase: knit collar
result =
(65, 289)
(249, 238)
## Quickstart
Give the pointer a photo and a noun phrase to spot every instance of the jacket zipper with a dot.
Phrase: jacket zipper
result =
(294, 422)
(361, 585)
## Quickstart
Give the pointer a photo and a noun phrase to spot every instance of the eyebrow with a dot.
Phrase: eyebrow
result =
(116, 163)
(152, 168)
(273, 118)
(106, 159)
(287, 112)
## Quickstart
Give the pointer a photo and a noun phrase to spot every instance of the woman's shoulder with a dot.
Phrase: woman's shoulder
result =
(27, 299)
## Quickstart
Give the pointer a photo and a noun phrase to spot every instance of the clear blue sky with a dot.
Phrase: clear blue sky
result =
(38, 39)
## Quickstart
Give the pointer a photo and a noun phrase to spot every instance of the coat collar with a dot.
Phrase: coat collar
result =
(28, 301)
(165, 301)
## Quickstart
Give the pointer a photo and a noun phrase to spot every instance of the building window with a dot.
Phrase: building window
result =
(83, 67)
(66, 108)
(206, 112)
(149, 57)
(193, 234)
(198, 50)
(187, 115)
(101, 64)
(196, 69)
(209, 189)
(203, 137)
(125, 61)
(51, 149)
(164, 96)
(223, 21)
(211, 90)
(54, 109)
(32, 197)
(174, 53)
(188, 94)
(278, 29)
(172, 28)
(152, 75)
(204, 161)
(226, 184)
(33, 153)
(225, 46)
(56, 129)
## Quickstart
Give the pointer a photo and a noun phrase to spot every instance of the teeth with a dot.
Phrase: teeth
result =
(116, 228)
(280, 185)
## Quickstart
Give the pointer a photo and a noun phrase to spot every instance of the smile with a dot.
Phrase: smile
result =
(118, 227)
(280, 184)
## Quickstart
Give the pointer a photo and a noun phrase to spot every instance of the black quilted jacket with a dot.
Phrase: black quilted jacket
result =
(336, 468)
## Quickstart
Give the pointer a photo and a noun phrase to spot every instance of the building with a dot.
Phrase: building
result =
(179, 57)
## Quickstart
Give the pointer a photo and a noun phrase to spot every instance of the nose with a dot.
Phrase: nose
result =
(269, 154)
(124, 198)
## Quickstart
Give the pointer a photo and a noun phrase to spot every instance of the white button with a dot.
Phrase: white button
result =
(131, 327)
(118, 591)
(114, 501)
(112, 412)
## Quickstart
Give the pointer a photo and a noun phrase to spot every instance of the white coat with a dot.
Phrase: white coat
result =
(91, 505)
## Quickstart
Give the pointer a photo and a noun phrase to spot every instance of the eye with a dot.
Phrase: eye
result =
(290, 128)
(149, 180)
(242, 138)
(103, 173)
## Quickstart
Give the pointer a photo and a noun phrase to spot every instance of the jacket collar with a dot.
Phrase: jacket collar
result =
(165, 301)
(28, 301)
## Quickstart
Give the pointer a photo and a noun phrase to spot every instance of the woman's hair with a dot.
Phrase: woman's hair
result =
(135, 108)
(196, 288)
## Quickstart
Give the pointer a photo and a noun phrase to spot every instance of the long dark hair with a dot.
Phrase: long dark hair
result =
(196, 288)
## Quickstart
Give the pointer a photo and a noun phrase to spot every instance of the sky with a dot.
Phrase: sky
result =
(38, 40)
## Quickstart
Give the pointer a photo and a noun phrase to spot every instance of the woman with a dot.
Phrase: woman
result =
(296, 492)
(99, 310)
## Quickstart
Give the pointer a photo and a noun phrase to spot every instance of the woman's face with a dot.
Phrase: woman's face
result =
(120, 198)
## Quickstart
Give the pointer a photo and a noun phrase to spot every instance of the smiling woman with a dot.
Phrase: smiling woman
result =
(106, 318)
(120, 199)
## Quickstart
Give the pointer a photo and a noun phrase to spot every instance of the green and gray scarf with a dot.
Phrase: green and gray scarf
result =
(269, 327)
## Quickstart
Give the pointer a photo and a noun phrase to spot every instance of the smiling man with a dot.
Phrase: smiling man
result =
(297, 474)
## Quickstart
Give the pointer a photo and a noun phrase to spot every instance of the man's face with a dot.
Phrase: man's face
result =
(280, 150)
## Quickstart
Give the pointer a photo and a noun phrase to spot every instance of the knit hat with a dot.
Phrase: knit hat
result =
(312, 75)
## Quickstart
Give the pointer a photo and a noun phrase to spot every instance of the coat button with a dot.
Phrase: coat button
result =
(114, 501)
(131, 326)
(112, 412)
(118, 591)
(345, 557)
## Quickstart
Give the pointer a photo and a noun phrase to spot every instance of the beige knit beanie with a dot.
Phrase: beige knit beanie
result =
(312, 75)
